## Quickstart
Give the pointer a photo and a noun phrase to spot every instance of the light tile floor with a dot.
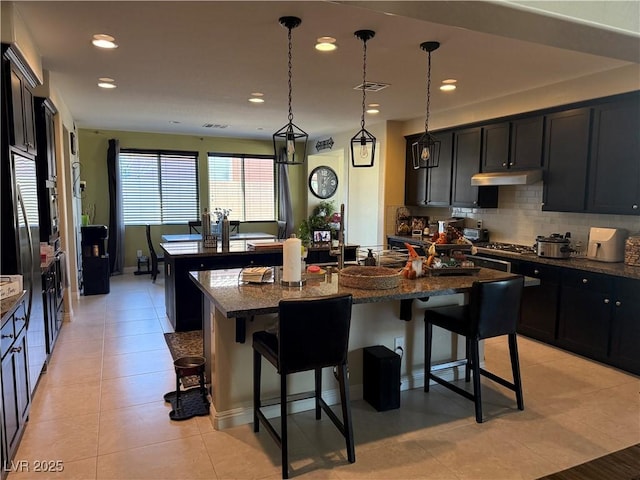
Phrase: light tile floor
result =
(99, 409)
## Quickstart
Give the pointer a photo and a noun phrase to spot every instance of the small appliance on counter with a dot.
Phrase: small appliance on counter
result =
(606, 244)
(476, 235)
(554, 246)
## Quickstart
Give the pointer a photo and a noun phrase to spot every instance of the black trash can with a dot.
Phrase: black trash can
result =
(381, 377)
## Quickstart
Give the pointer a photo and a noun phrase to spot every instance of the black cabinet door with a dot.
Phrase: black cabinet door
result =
(415, 180)
(466, 163)
(539, 315)
(566, 153)
(495, 147)
(625, 328)
(526, 143)
(584, 314)
(614, 173)
(439, 178)
(24, 133)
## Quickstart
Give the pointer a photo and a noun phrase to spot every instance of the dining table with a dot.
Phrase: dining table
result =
(197, 237)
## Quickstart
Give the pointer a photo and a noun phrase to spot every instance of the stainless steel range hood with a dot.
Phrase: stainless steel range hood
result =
(524, 177)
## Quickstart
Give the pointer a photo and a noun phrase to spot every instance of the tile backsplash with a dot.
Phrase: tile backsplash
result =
(519, 217)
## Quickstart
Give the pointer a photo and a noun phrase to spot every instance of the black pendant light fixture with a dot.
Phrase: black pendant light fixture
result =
(290, 142)
(426, 151)
(363, 144)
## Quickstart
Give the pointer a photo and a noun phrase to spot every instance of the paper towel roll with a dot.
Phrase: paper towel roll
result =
(291, 252)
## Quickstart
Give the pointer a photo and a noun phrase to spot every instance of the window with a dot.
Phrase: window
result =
(159, 186)
(245, 184)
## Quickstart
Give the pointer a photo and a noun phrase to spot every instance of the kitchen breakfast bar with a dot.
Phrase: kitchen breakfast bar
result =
(233, 310)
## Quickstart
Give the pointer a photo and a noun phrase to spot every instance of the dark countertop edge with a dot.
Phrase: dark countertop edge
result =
(9, 304)
(618, 269)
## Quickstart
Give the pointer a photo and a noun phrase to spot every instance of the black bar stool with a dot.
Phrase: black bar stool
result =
(312, 334)
(493, 310)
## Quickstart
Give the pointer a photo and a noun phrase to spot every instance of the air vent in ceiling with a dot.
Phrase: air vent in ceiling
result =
(214, 125)
(372, 86)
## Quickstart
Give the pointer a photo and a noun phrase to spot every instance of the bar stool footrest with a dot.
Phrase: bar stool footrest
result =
(192, 403)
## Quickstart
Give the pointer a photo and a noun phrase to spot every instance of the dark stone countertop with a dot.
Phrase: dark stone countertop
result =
(7, 305)
(236, 299)
(236, 247)
(618, 269)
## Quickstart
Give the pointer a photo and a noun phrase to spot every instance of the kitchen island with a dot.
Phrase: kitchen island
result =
(233, 310)
(183, 301)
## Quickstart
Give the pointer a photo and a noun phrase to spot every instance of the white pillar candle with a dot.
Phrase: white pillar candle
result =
(291, 253)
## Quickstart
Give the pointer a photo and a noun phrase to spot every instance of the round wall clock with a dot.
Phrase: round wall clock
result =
(323, 182)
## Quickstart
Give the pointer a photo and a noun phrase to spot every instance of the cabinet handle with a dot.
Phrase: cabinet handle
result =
(511, 164)
(16, 349)
(584, 280)
(606, 300)
(7, 336)
(635, 207)
(536, 272)
(504, 164)
(618, 303)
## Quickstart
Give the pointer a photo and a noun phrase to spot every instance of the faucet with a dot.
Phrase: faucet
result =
(339, 252)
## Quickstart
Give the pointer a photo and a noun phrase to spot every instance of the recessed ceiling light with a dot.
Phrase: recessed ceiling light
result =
(256, 100)
(373, 105)
(373, 111)
(106, 82)
(102, 40)
(448, 87)
(326, 44)
(450, 80)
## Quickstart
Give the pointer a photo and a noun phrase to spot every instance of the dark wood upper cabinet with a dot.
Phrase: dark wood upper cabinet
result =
(526, 143)
(495, 147)
(439, 178)
(23, 132)
(565, 160)
(614, 173)
(466, 163)
(415, 180)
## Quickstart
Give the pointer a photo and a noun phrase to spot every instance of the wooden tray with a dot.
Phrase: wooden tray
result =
(434, 272)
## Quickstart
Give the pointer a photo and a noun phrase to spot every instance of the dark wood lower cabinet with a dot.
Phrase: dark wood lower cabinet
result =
(539, 316)
(584, 313)
(625, 325)
(14, 379)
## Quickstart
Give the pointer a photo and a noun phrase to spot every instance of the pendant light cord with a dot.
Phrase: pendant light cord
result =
(364, 80)
(290, 88)
(426, 120)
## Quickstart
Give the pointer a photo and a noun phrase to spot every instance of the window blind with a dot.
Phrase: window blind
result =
(245, 184)
(159, 187)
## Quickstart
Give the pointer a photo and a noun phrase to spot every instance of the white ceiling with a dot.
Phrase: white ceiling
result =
(198, 62)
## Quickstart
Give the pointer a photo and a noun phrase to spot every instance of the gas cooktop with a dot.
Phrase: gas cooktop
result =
(506, 247)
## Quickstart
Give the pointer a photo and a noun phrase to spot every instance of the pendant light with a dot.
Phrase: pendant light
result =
(426, 151)
(363, 144)
(290, 142)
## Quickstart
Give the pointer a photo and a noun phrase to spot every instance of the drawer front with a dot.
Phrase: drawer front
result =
(20, 319)
(539, 270)
(7, 336)
(587, 280)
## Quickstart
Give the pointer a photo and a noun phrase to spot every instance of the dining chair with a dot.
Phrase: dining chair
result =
(312, 333)
(195, 226)
(493, 310)
(155, 258)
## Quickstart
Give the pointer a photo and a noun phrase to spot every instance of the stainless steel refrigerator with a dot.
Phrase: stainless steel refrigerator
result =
(21, 251)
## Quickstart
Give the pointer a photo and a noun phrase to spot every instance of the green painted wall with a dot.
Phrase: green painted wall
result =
(92, 155)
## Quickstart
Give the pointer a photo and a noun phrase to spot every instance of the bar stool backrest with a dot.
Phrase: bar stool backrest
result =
(313, 332)
(494, 306)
